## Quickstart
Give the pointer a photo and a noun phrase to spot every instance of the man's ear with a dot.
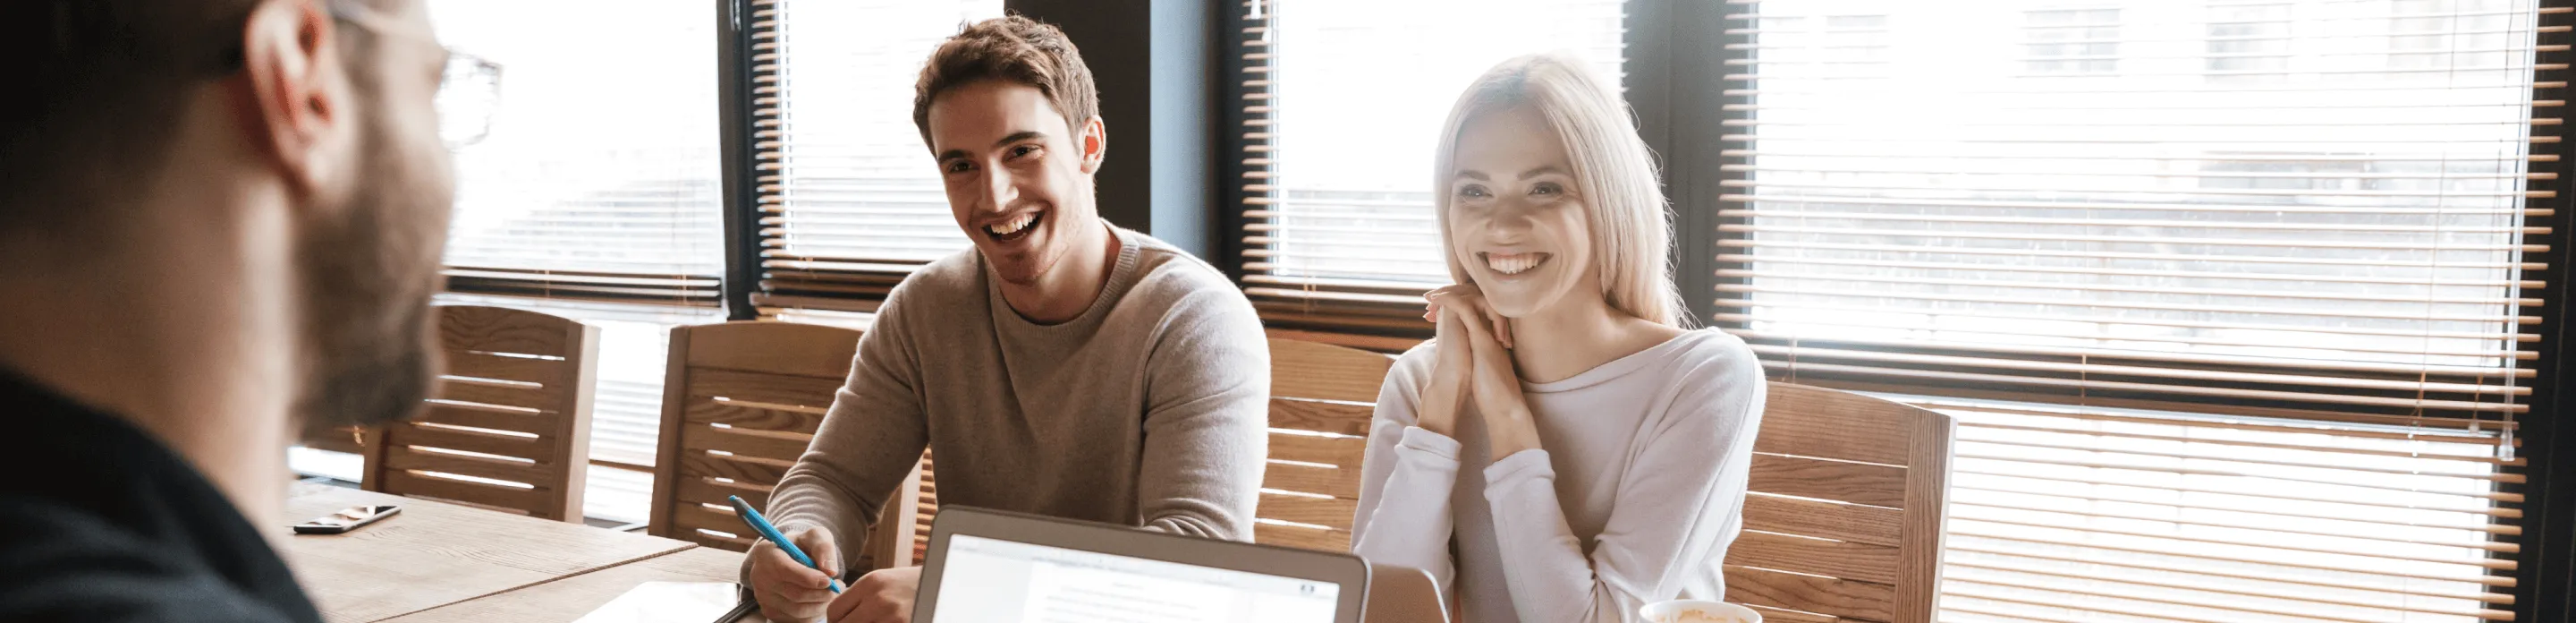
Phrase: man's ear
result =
(297, 104)
(1095, 144)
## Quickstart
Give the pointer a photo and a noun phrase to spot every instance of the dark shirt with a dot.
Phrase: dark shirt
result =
(100, 522)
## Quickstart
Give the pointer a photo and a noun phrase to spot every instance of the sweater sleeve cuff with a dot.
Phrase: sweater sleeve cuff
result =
(1435, 445)
(1522, 465)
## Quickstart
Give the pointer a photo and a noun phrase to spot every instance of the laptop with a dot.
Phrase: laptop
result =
(987, 566)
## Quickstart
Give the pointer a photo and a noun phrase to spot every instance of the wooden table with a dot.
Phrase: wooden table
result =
(570, 598)
(435, 554)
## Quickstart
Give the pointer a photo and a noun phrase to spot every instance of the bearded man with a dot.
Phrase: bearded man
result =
(220, 223)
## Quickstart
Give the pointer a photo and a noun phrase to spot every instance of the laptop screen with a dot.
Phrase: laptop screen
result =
(995, 581)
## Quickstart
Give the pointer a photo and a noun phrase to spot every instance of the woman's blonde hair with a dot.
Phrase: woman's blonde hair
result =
(1612, 169)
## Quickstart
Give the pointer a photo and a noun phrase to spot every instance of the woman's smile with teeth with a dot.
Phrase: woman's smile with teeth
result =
(1013, 226)
(1514, 263)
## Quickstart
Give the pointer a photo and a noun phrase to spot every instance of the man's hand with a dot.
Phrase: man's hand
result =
(883, 596)
(788, 591)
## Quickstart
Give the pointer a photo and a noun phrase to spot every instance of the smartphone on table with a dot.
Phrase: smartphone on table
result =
(347, 519)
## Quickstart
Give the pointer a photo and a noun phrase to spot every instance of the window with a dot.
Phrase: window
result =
(2249, 43)
(1345, 101)
(1855, 38)
(594, 197)
(2228, 337)
(597, 180)
(2071, 41)
(850, 200)
(1825, 46)
(2445, 35)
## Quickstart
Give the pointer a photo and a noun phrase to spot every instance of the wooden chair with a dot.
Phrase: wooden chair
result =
(1845, 515)
(509, 425)
(1321, 398)
(1843, 521)
(333, 438)
(740, 403)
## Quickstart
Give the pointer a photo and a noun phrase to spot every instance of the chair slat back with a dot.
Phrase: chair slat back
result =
(1845, 511)
(908, 546)
(508, 427)
(1321, 399)
(333, 438)
(741, 402)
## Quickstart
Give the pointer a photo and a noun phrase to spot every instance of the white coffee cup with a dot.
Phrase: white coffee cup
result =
(1697, 611)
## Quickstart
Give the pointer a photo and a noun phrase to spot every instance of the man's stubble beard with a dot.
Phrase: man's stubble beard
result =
(368, 280)
(1062, 244)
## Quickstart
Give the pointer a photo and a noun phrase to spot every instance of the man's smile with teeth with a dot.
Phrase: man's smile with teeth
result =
(1012, 227)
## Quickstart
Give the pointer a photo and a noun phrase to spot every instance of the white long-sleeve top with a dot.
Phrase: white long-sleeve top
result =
(1635, 494)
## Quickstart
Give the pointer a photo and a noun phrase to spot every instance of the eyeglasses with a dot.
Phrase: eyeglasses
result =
(467, 94)
(469, 88)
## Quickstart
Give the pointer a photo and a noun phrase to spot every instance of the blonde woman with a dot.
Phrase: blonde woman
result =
(1564, 450)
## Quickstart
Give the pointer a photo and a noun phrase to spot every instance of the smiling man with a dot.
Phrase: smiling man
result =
(1063, 366)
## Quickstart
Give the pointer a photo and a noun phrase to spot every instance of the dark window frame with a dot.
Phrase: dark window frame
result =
(735, 34)
(1670, 51)
(2547, 572)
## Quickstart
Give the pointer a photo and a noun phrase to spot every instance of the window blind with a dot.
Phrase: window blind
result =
(1343, 103)
(2235, 301)
(850, 201)
(2085, 514)
(2353, 236)
(597, 180)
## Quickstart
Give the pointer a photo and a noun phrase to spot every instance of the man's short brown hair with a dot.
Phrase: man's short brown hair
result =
(1015, 49)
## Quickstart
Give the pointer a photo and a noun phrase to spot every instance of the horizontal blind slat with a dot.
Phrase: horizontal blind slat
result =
(2047, 470)
(2097, 270)
(1894, 246)
(2120, 305)
(2245, 469)
(2268, 227)
(2211, 208)
(2108, 352)
(1777, 276)
(2303, 608)
(2124, 386)
(2465, 522)
(2467, 575)
(2323, 384)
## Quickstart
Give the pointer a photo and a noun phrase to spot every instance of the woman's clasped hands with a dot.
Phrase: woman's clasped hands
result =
(1474, 363)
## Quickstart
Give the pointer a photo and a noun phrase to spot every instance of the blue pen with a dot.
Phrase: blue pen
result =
(771, 532)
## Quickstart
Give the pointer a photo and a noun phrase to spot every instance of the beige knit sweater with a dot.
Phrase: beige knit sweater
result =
(1149, 409)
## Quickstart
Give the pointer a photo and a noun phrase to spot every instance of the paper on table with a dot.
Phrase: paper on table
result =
(668, 602)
